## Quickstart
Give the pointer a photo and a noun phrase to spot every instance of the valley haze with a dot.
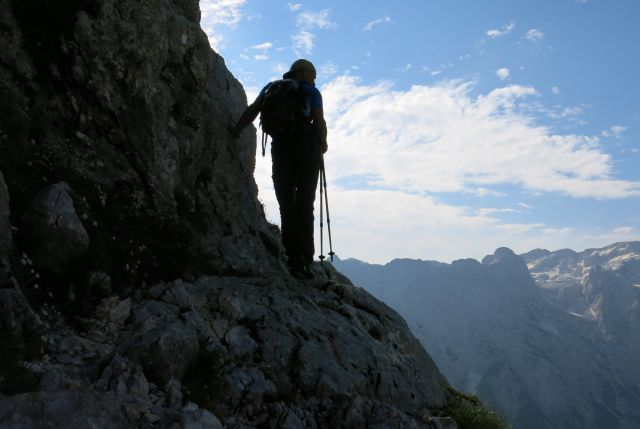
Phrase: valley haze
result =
(550, 339)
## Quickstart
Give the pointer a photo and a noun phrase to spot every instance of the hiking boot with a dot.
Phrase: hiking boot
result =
(300, 270)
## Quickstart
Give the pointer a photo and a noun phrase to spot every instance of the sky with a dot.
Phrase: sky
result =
(457, 126)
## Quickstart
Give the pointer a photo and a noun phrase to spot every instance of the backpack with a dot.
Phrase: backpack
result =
(282, 110)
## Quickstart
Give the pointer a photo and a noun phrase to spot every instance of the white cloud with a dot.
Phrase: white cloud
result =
(263, 46)
(502, 73)
(555, 90)
(280, 68)
(303, 43)
(294, 6)
(572, 111)
(484, 192)
(328, 69)
(375, 22)
(502, 31)
(614, 131)
(407, 67)
(306, 22)
(534, 35)
(492, 210)
(260, 57)
(311, 20)
(440, 139)
(216, 13)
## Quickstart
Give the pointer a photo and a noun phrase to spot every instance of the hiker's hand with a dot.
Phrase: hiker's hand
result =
(324, 147)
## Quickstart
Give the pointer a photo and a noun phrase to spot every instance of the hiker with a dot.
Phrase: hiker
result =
(296, 153)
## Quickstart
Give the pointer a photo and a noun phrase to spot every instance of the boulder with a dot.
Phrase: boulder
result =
(56, 235)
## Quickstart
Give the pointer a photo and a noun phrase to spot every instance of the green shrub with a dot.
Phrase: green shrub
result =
(470, 413)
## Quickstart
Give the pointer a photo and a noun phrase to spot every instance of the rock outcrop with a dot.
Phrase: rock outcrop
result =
(52, 226)
(128, 105)
(140, 285)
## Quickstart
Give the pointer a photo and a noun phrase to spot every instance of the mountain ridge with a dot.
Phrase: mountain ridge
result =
(498, 331)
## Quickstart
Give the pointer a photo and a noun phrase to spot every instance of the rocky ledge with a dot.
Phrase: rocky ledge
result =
(235, 352)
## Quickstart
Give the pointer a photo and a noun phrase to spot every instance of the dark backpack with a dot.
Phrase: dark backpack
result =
(282, 109)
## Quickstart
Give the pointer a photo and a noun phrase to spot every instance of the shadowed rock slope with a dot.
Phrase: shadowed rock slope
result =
(140, 285)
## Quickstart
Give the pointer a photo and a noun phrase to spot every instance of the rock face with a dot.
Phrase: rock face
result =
(496, 333)
(127, 104)
(140, 283)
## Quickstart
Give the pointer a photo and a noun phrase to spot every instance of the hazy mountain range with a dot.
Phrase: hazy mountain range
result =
(551, 339)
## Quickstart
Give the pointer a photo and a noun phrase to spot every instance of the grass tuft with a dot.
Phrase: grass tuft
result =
(471, 413)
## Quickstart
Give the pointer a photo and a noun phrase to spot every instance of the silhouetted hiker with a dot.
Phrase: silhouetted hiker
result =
(292, 115)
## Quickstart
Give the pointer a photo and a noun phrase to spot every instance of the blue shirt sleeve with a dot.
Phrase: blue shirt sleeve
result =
(316, 99)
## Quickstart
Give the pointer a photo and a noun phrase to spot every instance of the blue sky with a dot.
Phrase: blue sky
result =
(456, 127)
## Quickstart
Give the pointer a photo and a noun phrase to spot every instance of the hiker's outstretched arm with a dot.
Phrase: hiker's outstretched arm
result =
(248, 116)
(321, 128)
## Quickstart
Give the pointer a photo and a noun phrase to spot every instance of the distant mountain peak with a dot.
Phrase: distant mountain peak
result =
(500, 254)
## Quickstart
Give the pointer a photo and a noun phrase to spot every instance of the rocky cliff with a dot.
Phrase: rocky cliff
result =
(602, 285)
(140, 285)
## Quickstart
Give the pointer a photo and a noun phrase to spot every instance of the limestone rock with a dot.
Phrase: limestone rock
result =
(195, 418)
(20, 330)
(173, 394)
(67, 409)
(127, 103)
(5, 231)
(56, 233)
(240, 342)
(166, 351)
(99, 284)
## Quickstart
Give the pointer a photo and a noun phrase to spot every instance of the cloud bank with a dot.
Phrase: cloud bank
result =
(441, 139)
(395, 155)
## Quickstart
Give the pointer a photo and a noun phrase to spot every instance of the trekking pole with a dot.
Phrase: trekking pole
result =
(326, 201)
(321, 242)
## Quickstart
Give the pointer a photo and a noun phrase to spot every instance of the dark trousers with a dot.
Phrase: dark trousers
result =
(295, 170)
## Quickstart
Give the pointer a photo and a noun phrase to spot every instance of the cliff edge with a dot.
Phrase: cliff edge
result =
(140, 285)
